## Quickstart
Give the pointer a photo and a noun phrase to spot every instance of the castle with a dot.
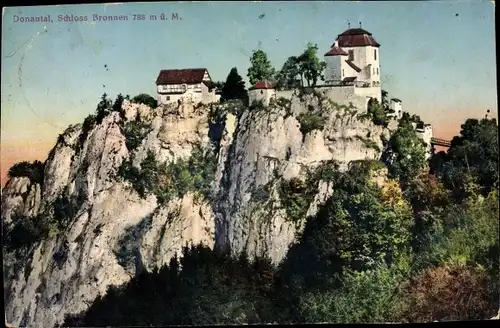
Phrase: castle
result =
(352, 75)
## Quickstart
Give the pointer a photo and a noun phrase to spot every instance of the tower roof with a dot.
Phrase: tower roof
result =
(336, 51)
(356, 37)
(265, 84)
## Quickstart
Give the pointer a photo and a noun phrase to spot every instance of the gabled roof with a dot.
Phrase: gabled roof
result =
(356, 37)
(262, 85)
(336, 51)
(178, 76)
(353, 66)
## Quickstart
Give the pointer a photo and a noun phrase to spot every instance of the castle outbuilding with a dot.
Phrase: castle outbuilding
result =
(262, 91)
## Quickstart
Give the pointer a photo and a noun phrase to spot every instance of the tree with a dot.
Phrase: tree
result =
(146, 100)
(311, 68)
(286, 77)
(234, 87)
(117, 106)
(377, 112)
(103, 107)
(473, 154)
(405, 154)
(260, 68)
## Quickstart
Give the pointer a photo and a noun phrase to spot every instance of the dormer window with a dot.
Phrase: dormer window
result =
(351, 55)
(375, 54)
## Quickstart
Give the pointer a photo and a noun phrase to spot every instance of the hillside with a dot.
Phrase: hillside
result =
(122, 193)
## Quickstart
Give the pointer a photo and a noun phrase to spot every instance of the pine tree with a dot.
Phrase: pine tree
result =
(234, 88)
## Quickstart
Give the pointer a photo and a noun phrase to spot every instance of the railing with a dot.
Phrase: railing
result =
(440, 142)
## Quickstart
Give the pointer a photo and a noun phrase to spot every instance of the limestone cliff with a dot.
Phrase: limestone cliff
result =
(113, 229)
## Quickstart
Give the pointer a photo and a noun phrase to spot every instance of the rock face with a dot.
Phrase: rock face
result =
(114, 233)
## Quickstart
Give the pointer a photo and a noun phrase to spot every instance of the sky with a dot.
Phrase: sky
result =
(438, 57)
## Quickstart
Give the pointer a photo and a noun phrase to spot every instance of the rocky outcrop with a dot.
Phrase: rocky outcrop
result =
(113, 232)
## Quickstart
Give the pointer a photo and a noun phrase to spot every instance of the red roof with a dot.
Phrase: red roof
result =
(178, 76)
(356, 37)
(336, 51)
(262, 85)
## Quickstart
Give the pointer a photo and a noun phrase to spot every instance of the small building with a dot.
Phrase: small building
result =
(397, 107)
(425, 133)
(262, 91)
(180, 85)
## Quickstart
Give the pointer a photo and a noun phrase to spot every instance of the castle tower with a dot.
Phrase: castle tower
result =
(355, 57)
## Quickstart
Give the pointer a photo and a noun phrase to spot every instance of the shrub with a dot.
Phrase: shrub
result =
(170, 180)
(135, 132)
(88, 124)
(296, 196)
(146, 100)
(34, 171)
(26, 232)
(368, 143)
(309, 122)
(364, 297)
(377, 112)
(450, 294)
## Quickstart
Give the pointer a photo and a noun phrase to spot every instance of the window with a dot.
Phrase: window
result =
(375, 54)
(261, 92)
(168, 97)
(377, 70)
(342, 73)
(351, 55)
(374, 71)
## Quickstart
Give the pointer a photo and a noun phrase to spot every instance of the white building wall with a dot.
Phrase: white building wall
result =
(359, 55)
(193, 93)
(263, 95)
(345, 95)
(397, 107)
(333, 68)
(371, 92)
(346, 70)
(374, 62)
(287, 94)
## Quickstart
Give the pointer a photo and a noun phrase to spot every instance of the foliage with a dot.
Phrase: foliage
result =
(368, 143)
(286, 78)
(405, 154)
(260, 68)
(28, 231)
(377, 112)
(296, 196)
(310, 66)
(234, 88)
(449, 294)
(364, 297)
(117, 105)
(145, 99)
(104, 107)
(309, 122)
(472, 154)
(135, 132)
(468, 233)
(174, 179)
(204, 287)
(34, 171)
(355, 228)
